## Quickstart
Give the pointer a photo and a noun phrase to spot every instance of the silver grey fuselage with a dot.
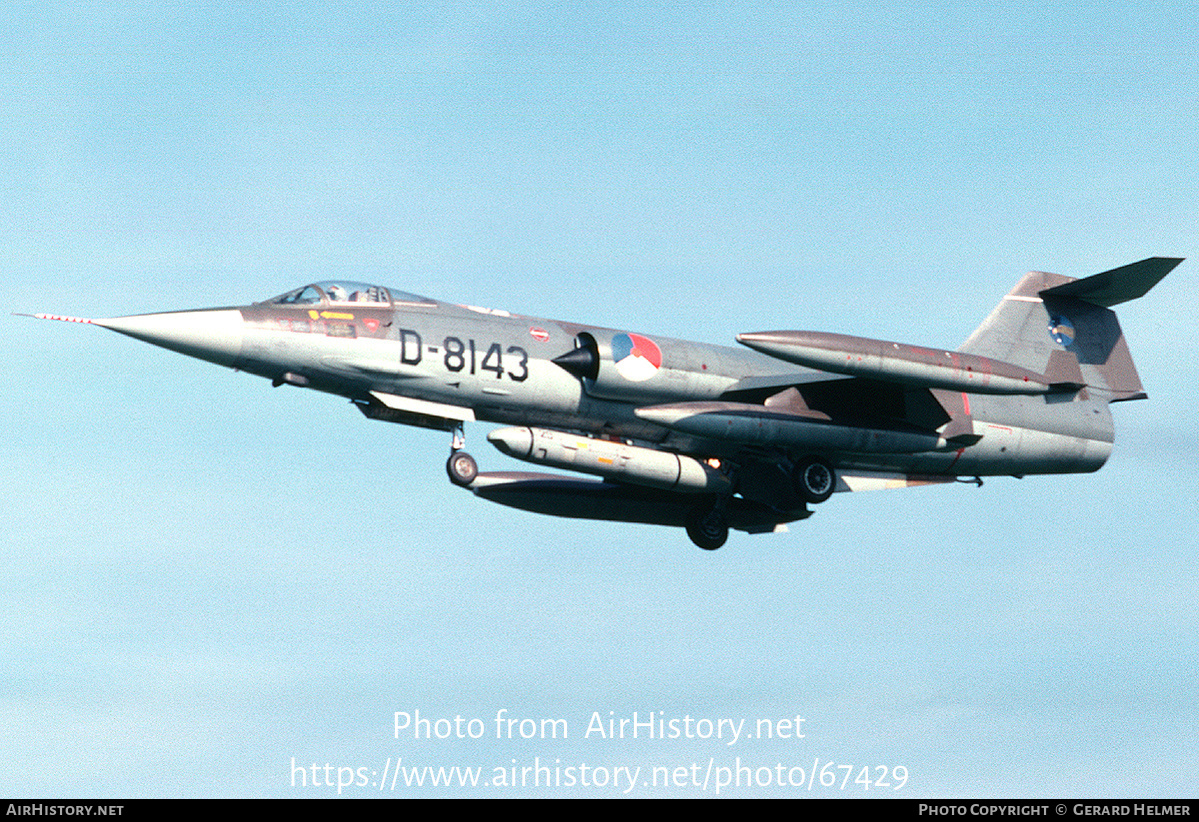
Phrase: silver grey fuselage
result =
(498, 367)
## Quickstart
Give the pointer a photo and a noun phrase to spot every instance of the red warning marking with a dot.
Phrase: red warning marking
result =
(62, 318)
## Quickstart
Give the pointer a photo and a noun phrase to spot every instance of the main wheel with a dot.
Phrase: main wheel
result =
(814, 480)
(707, 527)
(462, 468)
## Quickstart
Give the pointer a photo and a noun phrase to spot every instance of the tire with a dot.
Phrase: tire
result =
(815, 480)
(707, 527)
(462, 468)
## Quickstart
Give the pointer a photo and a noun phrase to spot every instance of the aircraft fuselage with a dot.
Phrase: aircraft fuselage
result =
(686, 433)
(498, 367)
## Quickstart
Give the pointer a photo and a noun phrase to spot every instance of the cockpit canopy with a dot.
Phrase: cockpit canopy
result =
(345, 292)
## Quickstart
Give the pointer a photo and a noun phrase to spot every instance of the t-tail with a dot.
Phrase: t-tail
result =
(1065, 329)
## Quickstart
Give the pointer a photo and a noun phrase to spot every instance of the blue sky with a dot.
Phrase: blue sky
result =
(208, 578)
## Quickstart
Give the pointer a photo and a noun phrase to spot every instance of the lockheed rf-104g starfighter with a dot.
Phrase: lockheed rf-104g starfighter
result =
(689, 434)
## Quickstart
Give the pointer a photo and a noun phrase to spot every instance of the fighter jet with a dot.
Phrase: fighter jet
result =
(692, 435)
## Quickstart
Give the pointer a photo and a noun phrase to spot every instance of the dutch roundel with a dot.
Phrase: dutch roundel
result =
(637, 358)
(1062, 331)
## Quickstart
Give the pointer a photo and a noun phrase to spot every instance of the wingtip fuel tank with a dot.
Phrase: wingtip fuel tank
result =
(573, 498)
(898, 362)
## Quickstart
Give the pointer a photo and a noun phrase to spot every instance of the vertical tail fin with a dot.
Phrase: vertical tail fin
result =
(1048, 323)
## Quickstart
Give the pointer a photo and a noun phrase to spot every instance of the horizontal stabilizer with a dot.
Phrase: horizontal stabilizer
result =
(1119, 285)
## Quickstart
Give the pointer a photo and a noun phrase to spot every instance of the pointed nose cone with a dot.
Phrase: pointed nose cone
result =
(211, 334)
(582, 362)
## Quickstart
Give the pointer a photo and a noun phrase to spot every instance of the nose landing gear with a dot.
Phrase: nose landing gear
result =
(461, 466)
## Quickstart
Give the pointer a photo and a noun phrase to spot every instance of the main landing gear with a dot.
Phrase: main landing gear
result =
(707, 524)
(814, 480)
(461, 466)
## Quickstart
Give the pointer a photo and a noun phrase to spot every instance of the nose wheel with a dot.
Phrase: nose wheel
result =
(461, 466)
